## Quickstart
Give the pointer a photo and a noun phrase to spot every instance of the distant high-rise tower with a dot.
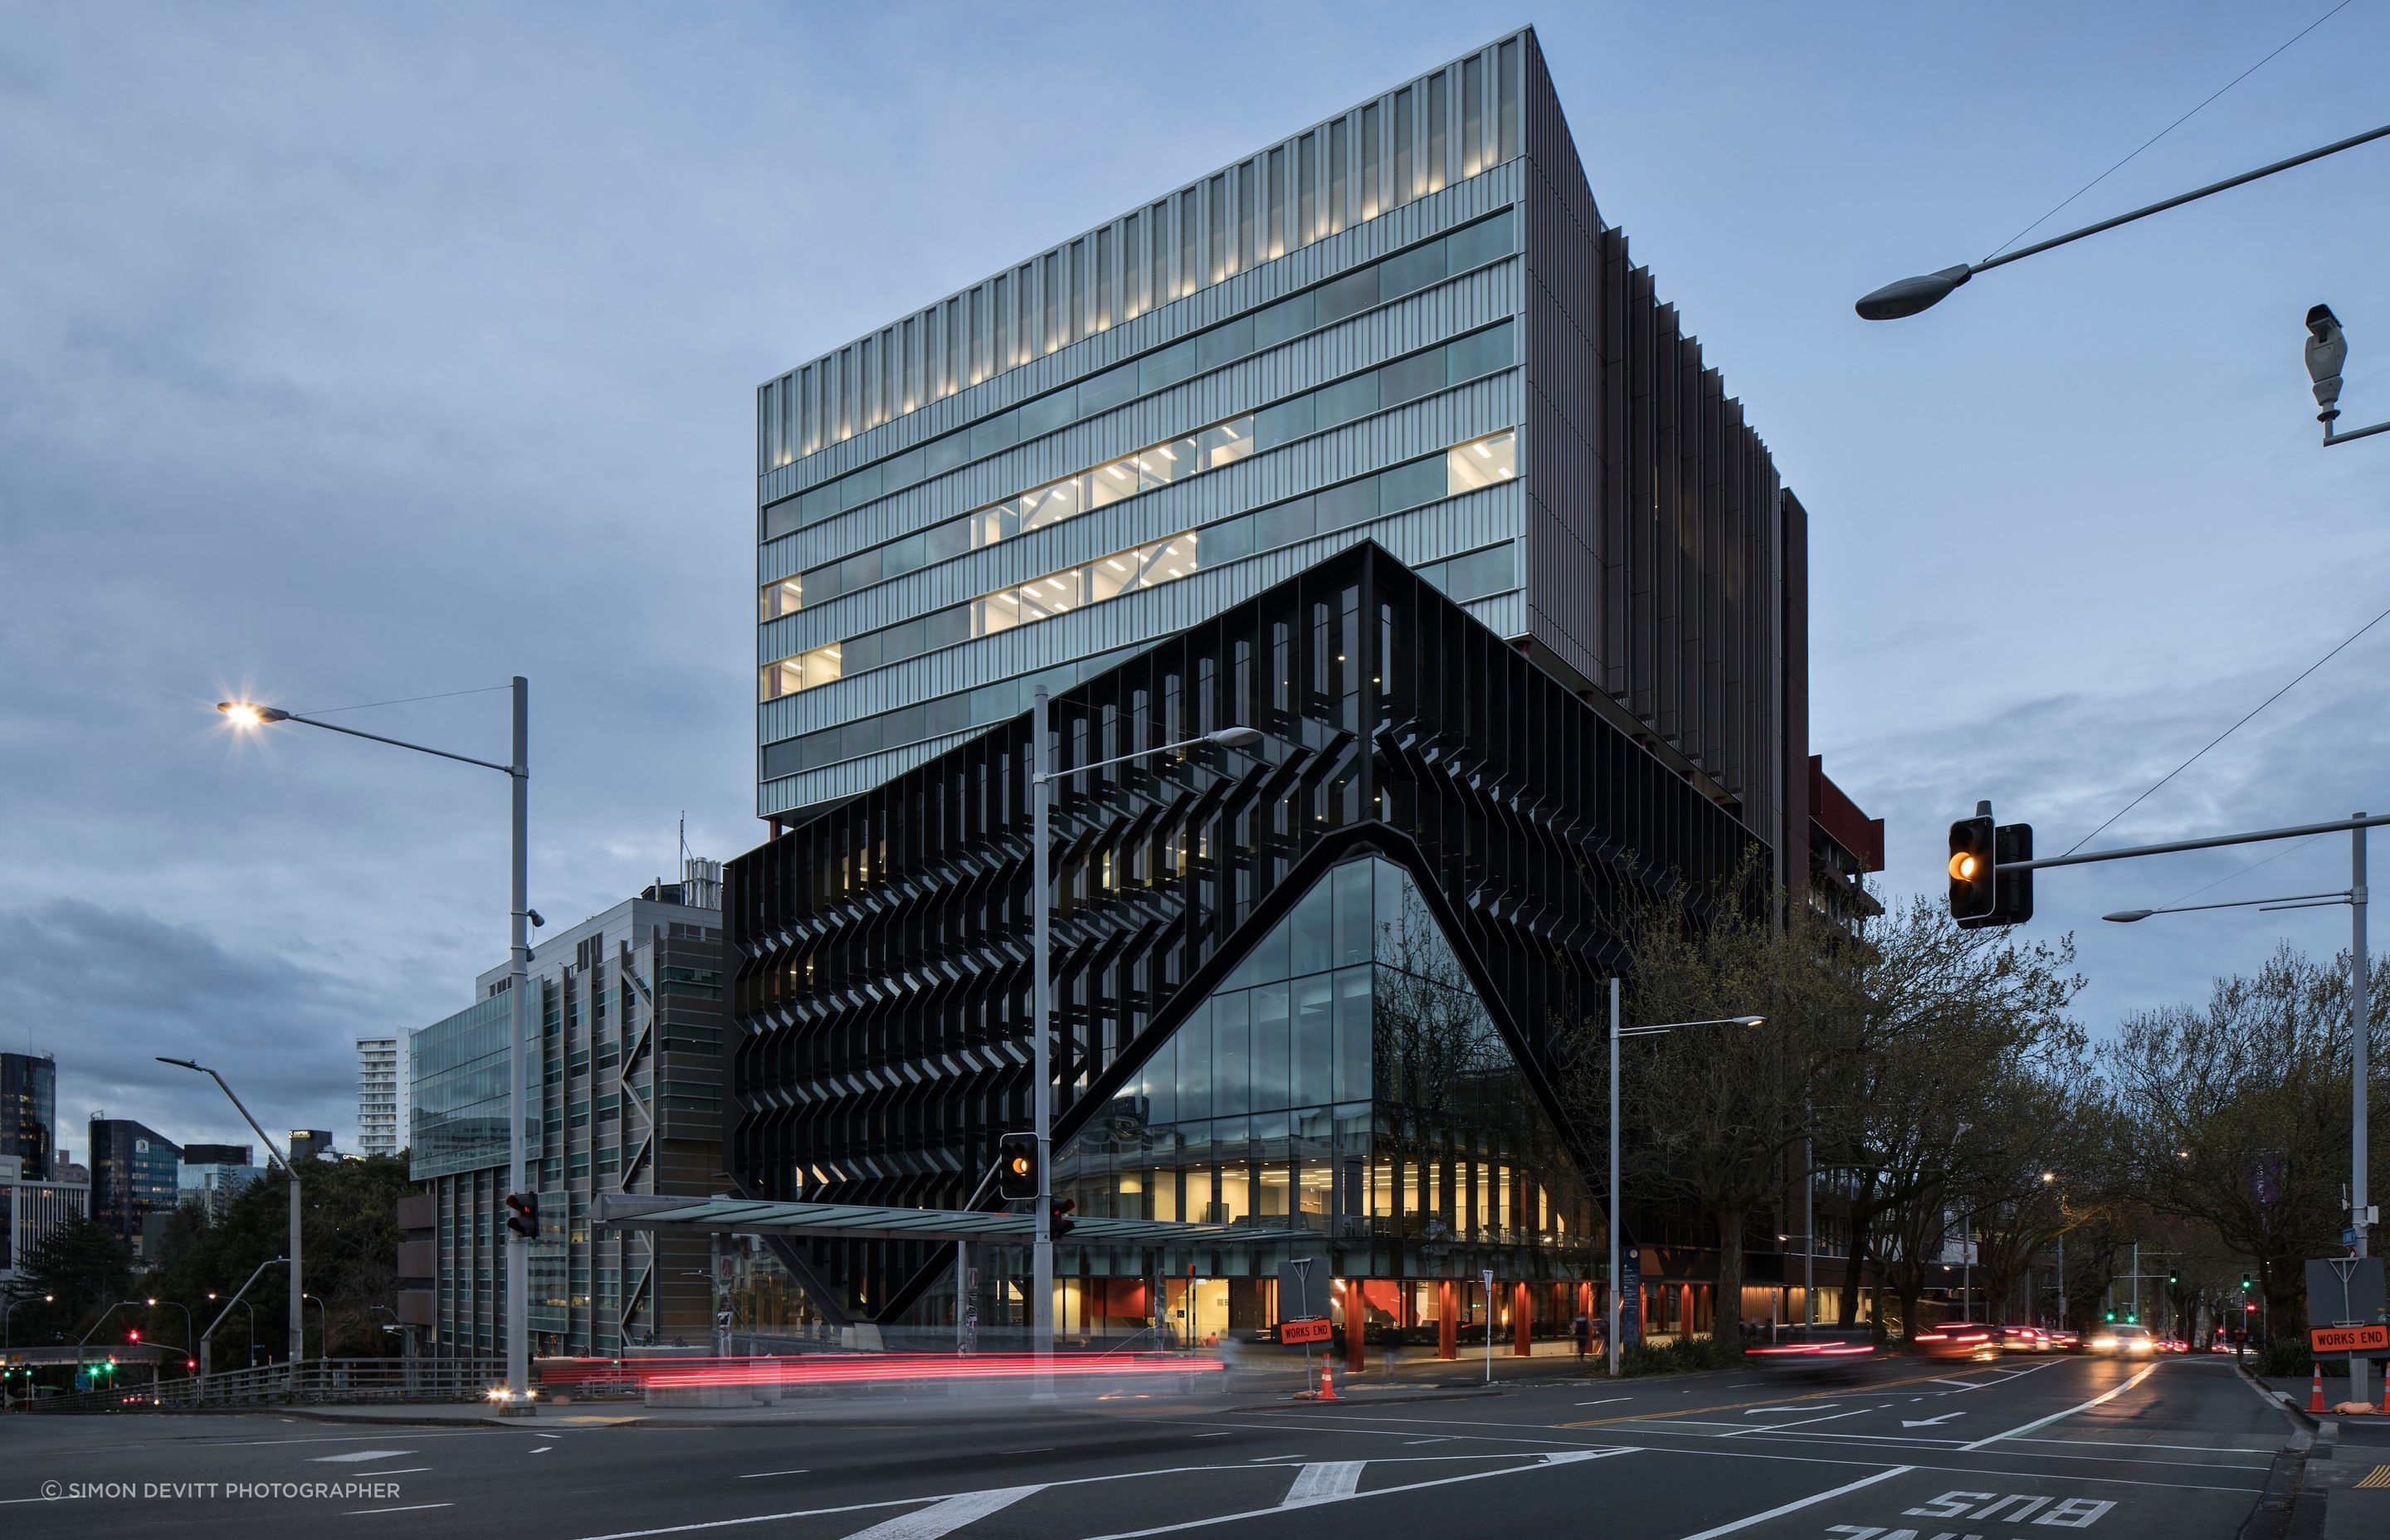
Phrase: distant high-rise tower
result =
(29, 1113)
(384, 1078)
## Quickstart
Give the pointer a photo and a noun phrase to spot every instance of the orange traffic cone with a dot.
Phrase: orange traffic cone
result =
(2315, 1392)
(1327, 1383)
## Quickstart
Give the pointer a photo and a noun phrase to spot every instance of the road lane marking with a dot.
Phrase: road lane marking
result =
(761, 1519)
(1605, 1401)
(355, 1455)
(1931, 1421)
(1545, 1463)
(1812, 1406)
(539, 1448)
(1041, 1449)
(2100, 1399)
(1773, 1427)
(411, 1508)
(1209, 1435)
(1324, 1481)
(402, 1470)
(947, 1515)
(1797, 1506)
(759, 1475)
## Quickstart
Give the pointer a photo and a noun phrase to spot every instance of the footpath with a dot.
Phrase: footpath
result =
(2343, 1492)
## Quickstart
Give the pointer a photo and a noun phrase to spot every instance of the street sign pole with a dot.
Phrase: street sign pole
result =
(1488, 1275)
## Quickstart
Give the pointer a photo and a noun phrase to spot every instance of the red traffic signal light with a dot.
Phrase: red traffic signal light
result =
(2249, 1309)
(523, 1214)
(133, 1335)
(189, 1364)
(1059, 1224)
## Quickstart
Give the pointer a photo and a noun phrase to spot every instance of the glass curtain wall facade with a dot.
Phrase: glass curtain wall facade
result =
(623, 1029)
(29, 1113)
(1216, 1054)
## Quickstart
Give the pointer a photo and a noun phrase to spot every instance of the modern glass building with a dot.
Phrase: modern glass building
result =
(135, 1172)
(1375, 438)
(29, 1113)
(624, 1047)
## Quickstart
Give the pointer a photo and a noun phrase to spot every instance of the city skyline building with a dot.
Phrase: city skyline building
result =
(211, 1175)
(31, 1207)
(624, 1045)
(385, 1089)
(135, 1174)
(29, 1113)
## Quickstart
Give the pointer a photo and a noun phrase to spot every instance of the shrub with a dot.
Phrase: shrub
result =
(2285, 1356)
(1685, 1355)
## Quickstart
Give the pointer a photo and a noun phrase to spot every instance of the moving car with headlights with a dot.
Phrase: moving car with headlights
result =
(2122, 1342)
(2024, 1338)
(1958, 1340)
(1815, 1352)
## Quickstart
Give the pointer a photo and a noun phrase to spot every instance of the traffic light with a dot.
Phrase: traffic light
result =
(2250, 1308)
(133, 1335)
(523, 1215)
(1016, 1165)
(1973, 892)
(2244, 1283)
(1980, 894)
(2112, 1314)
(2132, 1318)
(1059, 1223)
(2173, 1278)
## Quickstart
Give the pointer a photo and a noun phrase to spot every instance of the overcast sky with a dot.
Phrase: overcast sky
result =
(349, 353)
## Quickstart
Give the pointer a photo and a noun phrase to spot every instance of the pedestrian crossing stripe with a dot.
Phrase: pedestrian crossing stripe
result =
(2378, 1478)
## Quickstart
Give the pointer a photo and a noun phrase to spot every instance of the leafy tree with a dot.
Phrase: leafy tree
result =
(2240, 1112)
(85, 1267)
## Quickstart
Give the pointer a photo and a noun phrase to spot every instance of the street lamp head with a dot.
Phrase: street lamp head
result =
(178, 1063)
(247, 714)
(2048, 1176)
(1895, 300)
(2126, 917)
(1235, 738)
(1750, 1020)
(2327, 350)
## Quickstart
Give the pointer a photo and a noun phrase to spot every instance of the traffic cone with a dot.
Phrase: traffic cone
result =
(2315, 1393)
(1328, 1381)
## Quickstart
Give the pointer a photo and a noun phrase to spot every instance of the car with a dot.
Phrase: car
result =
(1813, 1351)
(2063, 1341)
(1958, 1340)
(2122, 1342)
(2024, 1338)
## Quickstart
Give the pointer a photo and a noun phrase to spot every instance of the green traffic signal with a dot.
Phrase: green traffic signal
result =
(2112, 1314)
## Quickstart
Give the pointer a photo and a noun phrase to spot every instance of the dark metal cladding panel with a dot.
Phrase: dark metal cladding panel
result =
(882, 992)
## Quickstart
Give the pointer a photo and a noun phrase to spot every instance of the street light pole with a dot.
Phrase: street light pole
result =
(1618, 1031)
(516, 1325)
(274, 1154)
(1042, 777)
(1041, 1018)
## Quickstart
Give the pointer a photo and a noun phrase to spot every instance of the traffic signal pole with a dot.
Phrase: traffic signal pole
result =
(2360, 981)
(1041, 1009)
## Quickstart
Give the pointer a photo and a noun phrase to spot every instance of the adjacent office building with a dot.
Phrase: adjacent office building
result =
(384, 1082)
(624, 1039)
(135, 1172)
(312, 1144)
(213, 1174)
(29, 1209)
(29, 1113)
(1376, 439)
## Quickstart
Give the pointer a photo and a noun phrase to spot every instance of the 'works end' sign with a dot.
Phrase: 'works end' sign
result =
(1294, 1332)
(2349, 1338)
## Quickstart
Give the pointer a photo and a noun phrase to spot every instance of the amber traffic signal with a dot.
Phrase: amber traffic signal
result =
(1973, 888)
(1016, 1166)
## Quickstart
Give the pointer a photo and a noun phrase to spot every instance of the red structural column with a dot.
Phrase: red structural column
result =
(1523, 1316)
(1356, 1328)
(1447, 1330)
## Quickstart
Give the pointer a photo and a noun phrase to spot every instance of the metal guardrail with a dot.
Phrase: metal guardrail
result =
(321, 1380)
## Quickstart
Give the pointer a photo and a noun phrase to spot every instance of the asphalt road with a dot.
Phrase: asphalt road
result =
(2023, 1449)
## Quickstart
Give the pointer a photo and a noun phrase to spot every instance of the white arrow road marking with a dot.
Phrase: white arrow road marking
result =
(1797, 1506)
(946, 1516)
(1930, 1422)
(2046, 1421)
(355, 1455)
(1324, 1483)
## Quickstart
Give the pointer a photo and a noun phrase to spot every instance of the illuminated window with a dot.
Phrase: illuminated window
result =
(1483, 463)
(801, 671)
(784, 598)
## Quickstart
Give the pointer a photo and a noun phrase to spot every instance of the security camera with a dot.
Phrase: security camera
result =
(533, 916)
(2327, 350)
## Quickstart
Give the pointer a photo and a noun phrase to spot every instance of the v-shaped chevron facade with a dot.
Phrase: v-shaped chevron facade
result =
(884, 992)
